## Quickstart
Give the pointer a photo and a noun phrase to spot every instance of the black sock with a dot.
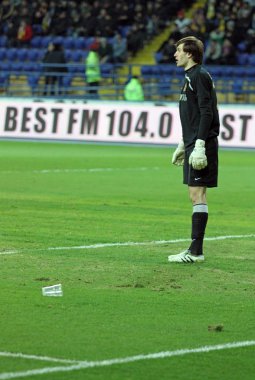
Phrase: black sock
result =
(199, 221)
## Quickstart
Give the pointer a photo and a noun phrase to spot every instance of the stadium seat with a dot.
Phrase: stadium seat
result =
(106, 70)
(237, 87)
(68, 54)
(36, 42)
(45, 41)
(58, 40)
(251, 60)
(33, 81)
(4, 66)
(3, 41)
(69, 42)
(250, 73)
(80, 43)
(89, 41)
(11, 54)
(158, 56)
(4, 78)
(242, 59)
(33, 55)
(164, 87)
(227, 72)
(76, 55)
(29, 67)
(22, 54)
(167, 70)
(2, 54)
(16, 67)
(67, 80)
(146, 71)
(215, 71)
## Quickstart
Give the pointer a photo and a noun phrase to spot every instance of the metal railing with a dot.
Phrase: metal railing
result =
(160, 82)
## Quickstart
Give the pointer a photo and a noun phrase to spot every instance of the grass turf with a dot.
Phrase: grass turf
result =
(122, 301)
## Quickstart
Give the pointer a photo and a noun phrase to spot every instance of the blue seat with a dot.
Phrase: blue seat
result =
(250, 72)
(45, 41)
(215, 71)
(4, 79)
(58, 40)
(16, 67)
(33, 54)
(146, 71)
(158, 56)
(227, 72)
(164, 87)
(2, 54)
(237, 87)
(4, 66)
(167, 70)
(239, 72)
(69, 42)
(33, 80)
(243, 58)
(3, 41)
(80, 43)
(11, 54)
(251, 60)
(106, 70)
(37, 29)
(88, 42)
(36, 42)
(29, 67)
(22, 54)
(67, 80)
(76, 55)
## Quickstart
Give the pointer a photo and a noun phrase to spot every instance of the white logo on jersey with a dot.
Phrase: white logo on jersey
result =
(183, 97)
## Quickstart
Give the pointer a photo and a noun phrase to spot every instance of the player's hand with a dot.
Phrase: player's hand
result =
(198, 158)
(178, 155)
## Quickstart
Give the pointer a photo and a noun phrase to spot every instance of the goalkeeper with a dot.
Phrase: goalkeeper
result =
(198, 151)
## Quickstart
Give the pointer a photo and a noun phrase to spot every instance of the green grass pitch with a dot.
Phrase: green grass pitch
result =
(70, 214)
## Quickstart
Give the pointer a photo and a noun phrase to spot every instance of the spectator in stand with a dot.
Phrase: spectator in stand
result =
(134, 40)
(6, 11)
(25, 34)
(61, 23)
(105, 24)
(198, 24)
(119, 49)
(213, 53)
(105, 51)
(11, 33)
(217, 35)
(182, 22)
(133, 90)
(250, 41)
(93, 72)
(228, 53)
(54, 64)
(123, 14)
(87, 24)
(244, 17)
(168, 50)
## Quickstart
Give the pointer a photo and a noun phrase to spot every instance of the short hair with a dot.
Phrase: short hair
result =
(194, 46)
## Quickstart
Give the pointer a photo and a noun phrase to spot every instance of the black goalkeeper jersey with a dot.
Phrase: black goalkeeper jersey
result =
(198, 107)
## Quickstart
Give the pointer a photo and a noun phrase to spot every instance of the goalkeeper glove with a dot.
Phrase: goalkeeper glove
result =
(198, 159)
(178, 155)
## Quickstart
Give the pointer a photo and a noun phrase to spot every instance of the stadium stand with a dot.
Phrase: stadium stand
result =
(22, 70)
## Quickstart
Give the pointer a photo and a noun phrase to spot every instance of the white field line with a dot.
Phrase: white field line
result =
(84, 170)
(125, 244)
(130, 359)
(19, 355)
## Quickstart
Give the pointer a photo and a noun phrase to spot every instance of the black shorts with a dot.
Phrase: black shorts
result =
(207, 177)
